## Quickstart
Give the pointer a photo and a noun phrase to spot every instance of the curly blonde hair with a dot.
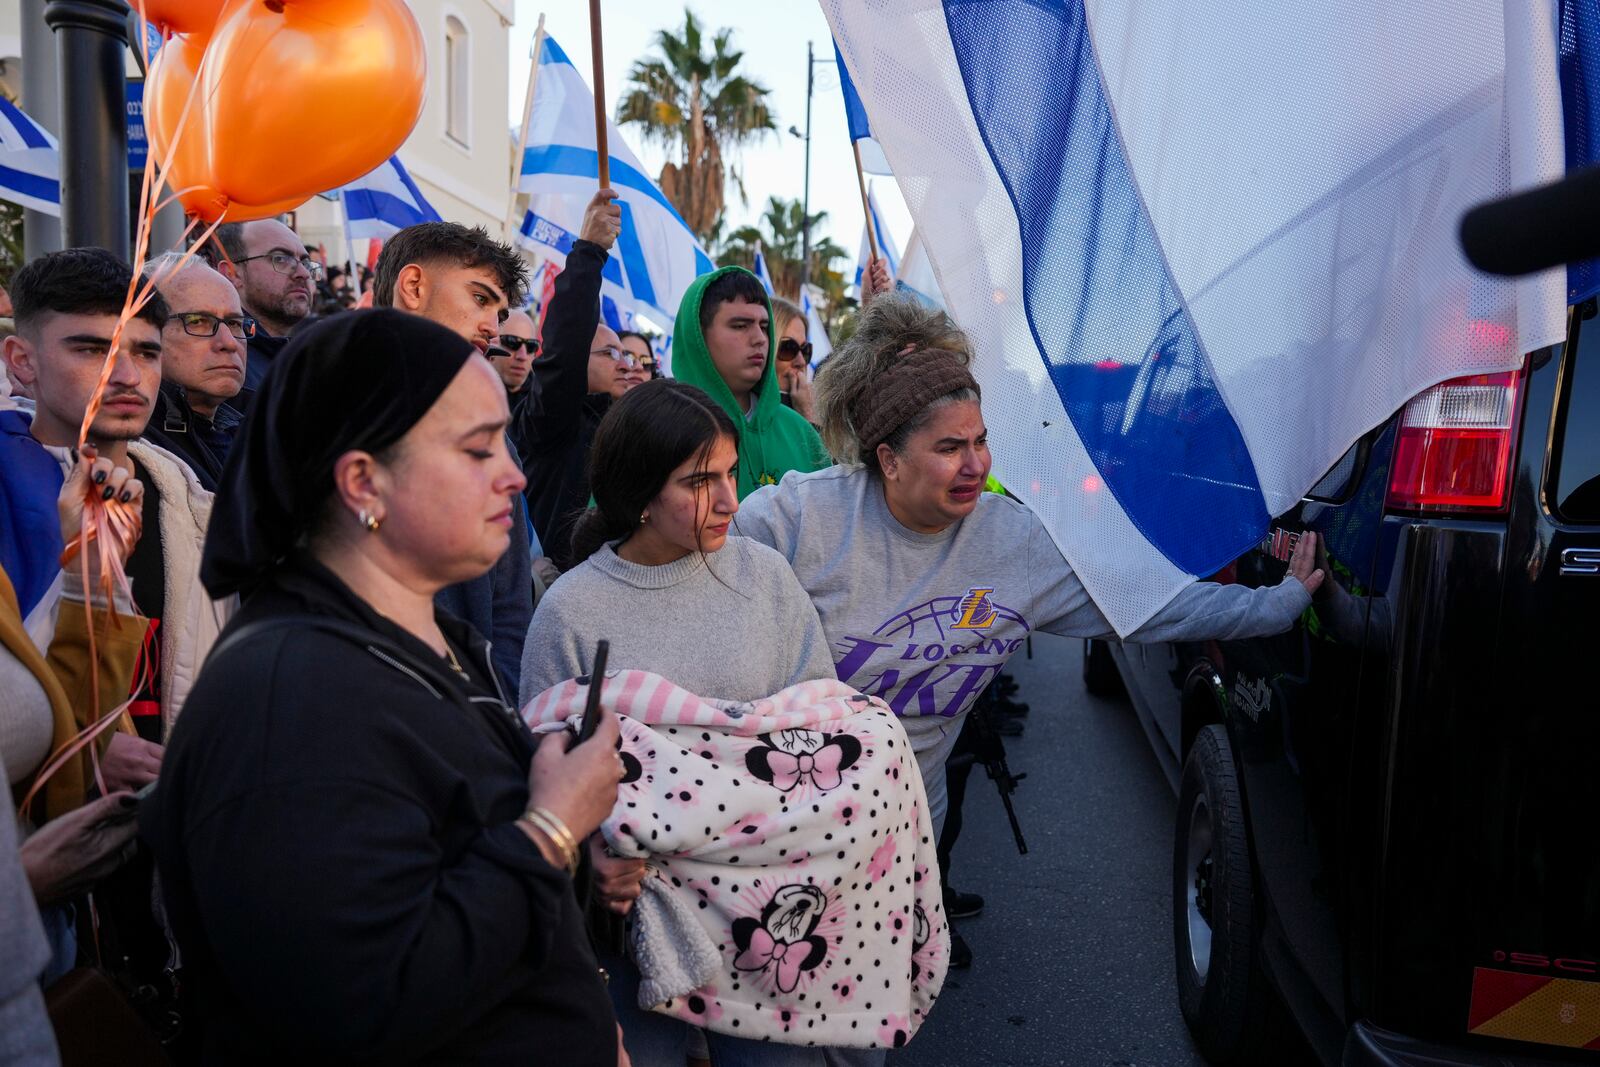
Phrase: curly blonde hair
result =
(890, 324)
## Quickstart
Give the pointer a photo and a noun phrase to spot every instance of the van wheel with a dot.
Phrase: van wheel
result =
(1100, 675)
(1223, 995)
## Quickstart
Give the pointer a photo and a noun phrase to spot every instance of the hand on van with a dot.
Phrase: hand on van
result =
(1303, 564)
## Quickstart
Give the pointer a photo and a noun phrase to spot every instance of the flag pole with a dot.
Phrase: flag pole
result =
(866, 209)
(597, 51)
(522, 134)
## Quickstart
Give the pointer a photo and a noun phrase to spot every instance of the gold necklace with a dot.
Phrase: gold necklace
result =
(455, 664)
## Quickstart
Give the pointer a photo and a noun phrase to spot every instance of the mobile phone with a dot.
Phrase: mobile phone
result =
(591, 707)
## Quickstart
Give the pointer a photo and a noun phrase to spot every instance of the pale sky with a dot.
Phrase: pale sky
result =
(773, 38)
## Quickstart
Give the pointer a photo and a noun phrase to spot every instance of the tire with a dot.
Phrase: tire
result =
(1223, 994)
(1100, 675)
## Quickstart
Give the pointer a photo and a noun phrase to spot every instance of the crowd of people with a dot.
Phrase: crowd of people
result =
(283, 785)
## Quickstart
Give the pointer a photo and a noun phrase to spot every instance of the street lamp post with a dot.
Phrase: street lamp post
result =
(805, 202)
(90, 38)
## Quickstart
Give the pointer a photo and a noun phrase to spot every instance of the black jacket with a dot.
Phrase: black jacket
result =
(336, 840)
(260, 350)
(554, 426)
(200, 442)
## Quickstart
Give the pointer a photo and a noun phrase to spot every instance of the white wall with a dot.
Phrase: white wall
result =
(468, 183)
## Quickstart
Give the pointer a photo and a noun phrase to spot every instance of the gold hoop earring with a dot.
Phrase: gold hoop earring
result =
(369, 520)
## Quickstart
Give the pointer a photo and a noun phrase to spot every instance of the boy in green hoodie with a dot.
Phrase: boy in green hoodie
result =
(723, 343)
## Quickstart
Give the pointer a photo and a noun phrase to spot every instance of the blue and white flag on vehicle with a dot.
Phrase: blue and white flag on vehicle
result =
(656, 255)
(1202, 248)
(886, 246)
(385, 202)
(855, 115)
(759, 269)
(30, 162)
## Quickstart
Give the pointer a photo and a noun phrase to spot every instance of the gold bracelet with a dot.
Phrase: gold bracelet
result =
(568, 860)
(560, 828)
(545, 822)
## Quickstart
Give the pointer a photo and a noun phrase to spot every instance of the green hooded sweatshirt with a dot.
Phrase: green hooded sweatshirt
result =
(774, 439)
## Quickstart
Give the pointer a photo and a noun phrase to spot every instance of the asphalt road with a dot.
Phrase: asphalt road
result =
(1073, 953)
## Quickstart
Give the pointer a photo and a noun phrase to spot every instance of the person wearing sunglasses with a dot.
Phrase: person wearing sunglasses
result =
(639, 345)
(794, 358)
(202, 364)
(512, 354)
(276, 278)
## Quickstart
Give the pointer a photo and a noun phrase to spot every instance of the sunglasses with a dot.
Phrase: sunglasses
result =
(513, 342)
(788, 348)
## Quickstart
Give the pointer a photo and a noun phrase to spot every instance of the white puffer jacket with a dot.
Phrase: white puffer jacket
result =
(190, 620)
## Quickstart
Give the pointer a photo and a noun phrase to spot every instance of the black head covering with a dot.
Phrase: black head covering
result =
(357, 380)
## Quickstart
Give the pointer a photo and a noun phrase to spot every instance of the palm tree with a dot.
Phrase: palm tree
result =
(780, 233)
(694, 103)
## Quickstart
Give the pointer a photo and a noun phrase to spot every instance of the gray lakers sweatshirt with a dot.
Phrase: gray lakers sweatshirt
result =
(732, 625)
(926, 621)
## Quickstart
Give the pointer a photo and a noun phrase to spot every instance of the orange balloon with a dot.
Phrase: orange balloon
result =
(182, 16)
(166, 91)
(310, 96)
(165, 94)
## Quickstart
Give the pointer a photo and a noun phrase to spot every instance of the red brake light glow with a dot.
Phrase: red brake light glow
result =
(1455, 443)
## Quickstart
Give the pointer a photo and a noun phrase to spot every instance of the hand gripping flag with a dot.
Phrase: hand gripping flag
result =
(385, 202)
(30, 162)
(886, 246)
(656, 255)
(1191, 293)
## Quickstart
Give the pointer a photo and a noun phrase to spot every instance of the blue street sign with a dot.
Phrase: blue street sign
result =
(138, 143)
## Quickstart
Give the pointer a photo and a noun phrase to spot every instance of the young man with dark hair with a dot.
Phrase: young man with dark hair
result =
(458, 277)
(723, 342)
(276, 278)
(466, 281)
(67, 307)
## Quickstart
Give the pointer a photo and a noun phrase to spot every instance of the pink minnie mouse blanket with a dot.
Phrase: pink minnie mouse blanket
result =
(796, 830)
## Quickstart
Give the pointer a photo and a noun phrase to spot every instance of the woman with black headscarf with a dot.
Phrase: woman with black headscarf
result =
(365, 855)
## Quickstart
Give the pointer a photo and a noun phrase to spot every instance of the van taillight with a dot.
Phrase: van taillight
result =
(1454, 448)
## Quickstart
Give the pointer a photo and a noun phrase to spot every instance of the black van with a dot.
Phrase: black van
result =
(1389, 817)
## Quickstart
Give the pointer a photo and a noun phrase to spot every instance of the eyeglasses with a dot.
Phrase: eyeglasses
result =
(513, 342)
(788, 348)
(202, 324)
(618, 355)
(284, 263)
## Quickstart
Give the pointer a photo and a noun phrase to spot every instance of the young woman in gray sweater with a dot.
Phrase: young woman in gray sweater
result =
(674, 594)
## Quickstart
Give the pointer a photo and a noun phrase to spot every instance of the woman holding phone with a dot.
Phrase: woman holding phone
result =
(365, 855)
(721, 616)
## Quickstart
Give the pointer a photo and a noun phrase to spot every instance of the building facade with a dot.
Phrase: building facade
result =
(459, 154)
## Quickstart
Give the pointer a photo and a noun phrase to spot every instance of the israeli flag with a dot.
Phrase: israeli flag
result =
(916, 276)
(816, 332)
(30, 162)
(855, 114)
(1192, 293)
(886, 246)
(656, 255)
(385, 202)
(760, 271)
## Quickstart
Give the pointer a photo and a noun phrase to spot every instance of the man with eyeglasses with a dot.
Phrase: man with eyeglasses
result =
(276, 278)
(202, 364)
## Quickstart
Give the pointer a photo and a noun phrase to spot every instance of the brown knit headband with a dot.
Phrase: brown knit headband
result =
(900, 393)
